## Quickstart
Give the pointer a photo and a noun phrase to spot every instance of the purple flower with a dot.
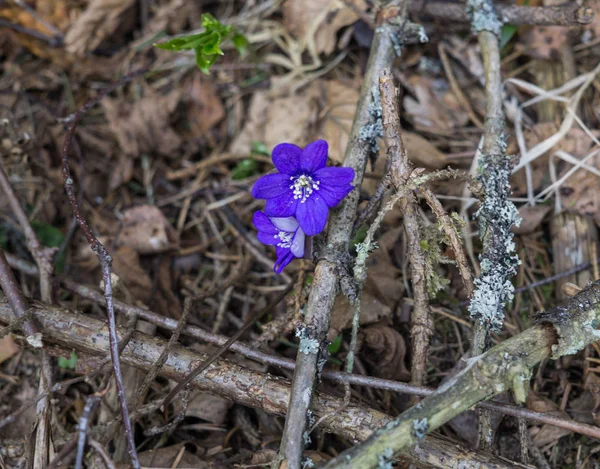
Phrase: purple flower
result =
(304, 187)
(284, 233)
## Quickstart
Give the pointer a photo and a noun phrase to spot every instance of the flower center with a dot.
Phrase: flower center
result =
(286, 239)
(303, 186)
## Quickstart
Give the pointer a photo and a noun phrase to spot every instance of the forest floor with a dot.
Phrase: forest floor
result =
(163, 167)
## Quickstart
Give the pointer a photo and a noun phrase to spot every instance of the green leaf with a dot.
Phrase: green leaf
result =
(207, 45)
(335, 346)
(68, 364)
(241, 43)
(259, 148)
(244, 169)
(506, 34)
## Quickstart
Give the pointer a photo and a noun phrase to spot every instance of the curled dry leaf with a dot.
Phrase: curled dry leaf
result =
(204, 106)
(143, 127)
(203, 406)
(8, 348)
(100, 20)
(126, 264)
(168, 456)
(546, 433)
(324, 109)
(146, 230)
(531, 218)
(387, 351)
(433, 107)
(320, 20)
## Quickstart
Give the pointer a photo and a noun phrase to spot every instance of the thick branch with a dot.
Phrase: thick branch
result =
(506, 366)
(565, 15)
(74, 330)
(333, 259)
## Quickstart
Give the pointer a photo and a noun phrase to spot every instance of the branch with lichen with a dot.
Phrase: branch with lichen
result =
(66, 330)
(564, 329)
(332, 271)
(496, 215)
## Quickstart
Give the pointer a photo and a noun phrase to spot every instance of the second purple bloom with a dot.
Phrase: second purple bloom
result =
(304, 187)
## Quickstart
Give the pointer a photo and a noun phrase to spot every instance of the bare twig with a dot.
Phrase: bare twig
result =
(248, 387)
(420, 318)
(17, 301)
(493, 287)
(571, 14)
(82, 428)
(150, 377)
(284, 363)
(505, 366)
(43, 256)
(332, 271)
(64, 455)
(103, 256)
(102, 453)
(221, 350)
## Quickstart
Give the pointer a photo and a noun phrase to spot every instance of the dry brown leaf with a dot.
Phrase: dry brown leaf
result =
(422, 153)
(544, 42)
(8, 348)
(143, 127)
(126, 264)
(387, 351)
(339, 115)
(546, 433)
(433, 107)
(204, 106)
(101, 19)
(531, 218)
(207, 407)
(323, 18)
(146, 230)
(165, 457)
(53, 12)
(324, 109)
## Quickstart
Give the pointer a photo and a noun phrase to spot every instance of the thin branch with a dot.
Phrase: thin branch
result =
(103, 256)
(421, 326)
(82, 428)
(332, 271)
(571, 14)
(504, 367)
(102, 453)
(287, 364)
(496, 215)
(221, 350)
(245, 386)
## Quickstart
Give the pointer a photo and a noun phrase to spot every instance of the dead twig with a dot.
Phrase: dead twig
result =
(332, 271)
(506, 366)
(248, 387)
(103, 256)
(571, 14)
(82, 428)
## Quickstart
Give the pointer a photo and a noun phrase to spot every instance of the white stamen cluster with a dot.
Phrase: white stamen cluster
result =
(303, 186)
(286, 239)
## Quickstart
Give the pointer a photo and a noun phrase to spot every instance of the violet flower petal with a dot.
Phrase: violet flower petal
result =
(284, 257)
(271, 186)
(312, 215)
(289, 224)
(286, 158)
(314, 156)
(281, 206)
(262, 223)
(297, 247)
(268, 238)
(334, 175)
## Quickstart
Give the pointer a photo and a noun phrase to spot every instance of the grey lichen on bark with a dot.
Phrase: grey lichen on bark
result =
(576, 322)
